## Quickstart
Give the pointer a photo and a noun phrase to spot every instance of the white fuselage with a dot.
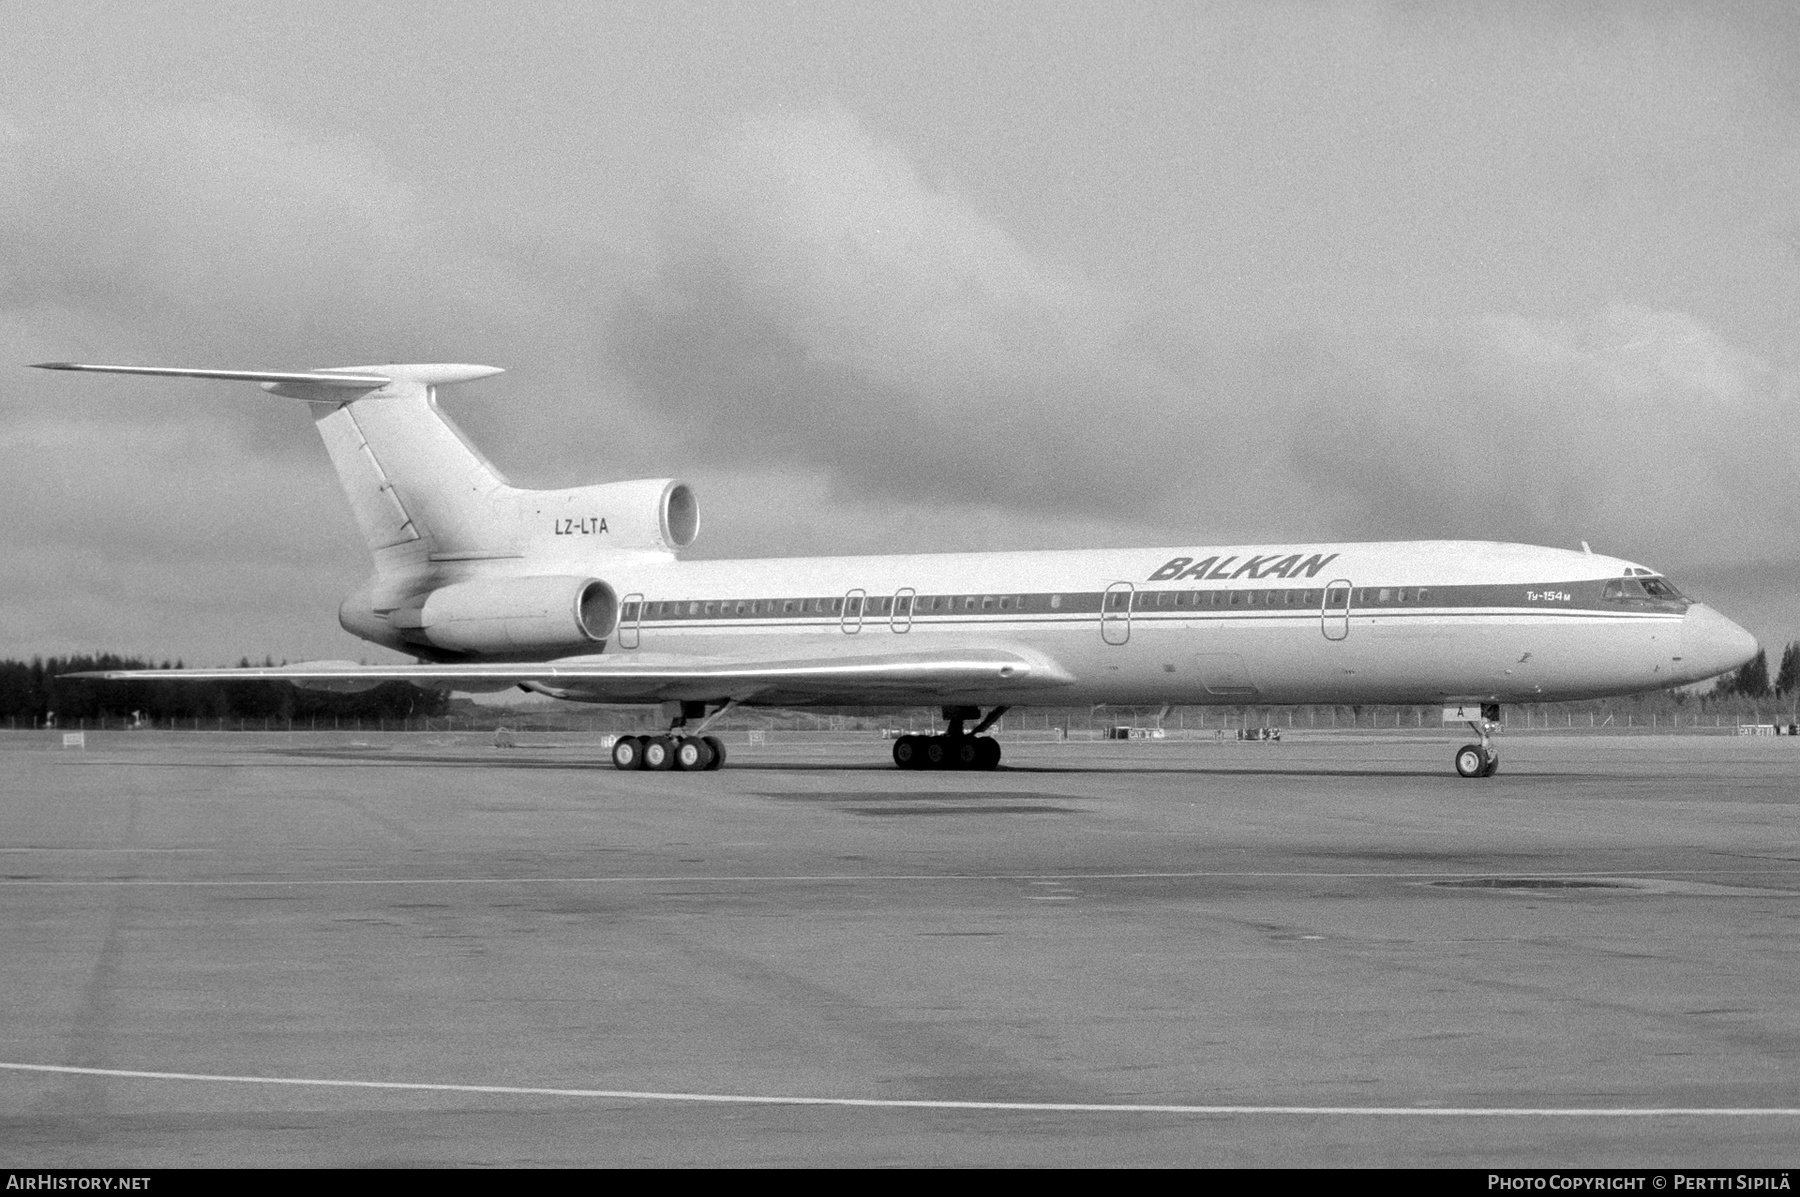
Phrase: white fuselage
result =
(1400, 622)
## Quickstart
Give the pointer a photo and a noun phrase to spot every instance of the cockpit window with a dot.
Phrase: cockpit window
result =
(1644, 592)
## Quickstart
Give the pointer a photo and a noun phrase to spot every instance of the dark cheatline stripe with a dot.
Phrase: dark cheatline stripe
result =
(1146, 600)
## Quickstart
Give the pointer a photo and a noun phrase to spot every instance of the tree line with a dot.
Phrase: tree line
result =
(35, 694)
(1752, 679)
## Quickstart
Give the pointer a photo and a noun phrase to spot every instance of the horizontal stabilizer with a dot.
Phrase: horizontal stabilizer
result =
(361, 381)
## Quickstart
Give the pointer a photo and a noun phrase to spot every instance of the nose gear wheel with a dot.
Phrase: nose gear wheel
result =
(1483, 759)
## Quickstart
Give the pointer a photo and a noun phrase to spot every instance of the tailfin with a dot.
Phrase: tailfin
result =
(418, 488)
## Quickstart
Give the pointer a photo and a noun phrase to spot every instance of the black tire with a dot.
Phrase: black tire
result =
(718, 747)
(937, 752)
(987, 753)
(659, 754)
(966, 754)
(1493, 764)
(628, 752)
(1470, 761)
(693, 755)
(909, 753)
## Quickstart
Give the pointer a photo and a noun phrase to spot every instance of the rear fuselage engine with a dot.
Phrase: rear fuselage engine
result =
(530, 616)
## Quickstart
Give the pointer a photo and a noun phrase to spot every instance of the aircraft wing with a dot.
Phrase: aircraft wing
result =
(651, 677)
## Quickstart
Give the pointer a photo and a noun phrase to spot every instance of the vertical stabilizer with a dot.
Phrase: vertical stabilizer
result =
(418, 488)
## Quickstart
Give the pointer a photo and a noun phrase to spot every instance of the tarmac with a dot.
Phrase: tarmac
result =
(360, 949)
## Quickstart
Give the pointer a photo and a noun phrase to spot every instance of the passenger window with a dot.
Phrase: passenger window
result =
(629, 611)
(1235, 595)
(1384, 594)
(1056, 602)
(1421, 595)
(1006, 602)
(693, 608)
(987, 602)
(709, 608)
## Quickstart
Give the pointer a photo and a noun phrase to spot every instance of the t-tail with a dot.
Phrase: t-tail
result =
(465, 562)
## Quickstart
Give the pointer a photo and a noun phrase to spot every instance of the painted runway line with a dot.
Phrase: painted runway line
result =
(839, 878)
(896, 1103)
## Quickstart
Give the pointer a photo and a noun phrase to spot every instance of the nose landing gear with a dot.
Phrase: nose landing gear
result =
(1483, 759)
(955, 748)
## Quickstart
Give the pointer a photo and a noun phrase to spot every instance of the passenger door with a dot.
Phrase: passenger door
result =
(901, 619)
(1334, 609)
(1115, 613)
(631, 619)
(851, 619)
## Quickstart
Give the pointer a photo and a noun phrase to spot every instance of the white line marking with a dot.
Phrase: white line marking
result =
(8, 851)
(895, 1103)
(807, 878)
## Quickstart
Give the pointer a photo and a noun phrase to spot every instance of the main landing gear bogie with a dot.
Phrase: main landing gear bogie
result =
(955, 748)
(946, 752)
(686, 754)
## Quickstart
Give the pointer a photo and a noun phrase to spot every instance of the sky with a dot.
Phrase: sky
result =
(900, 277)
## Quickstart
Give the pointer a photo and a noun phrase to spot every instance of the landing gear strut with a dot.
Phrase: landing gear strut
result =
(1483, 759)
(955, 748)
(687, 753)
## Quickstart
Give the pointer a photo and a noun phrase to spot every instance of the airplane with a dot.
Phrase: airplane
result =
(581, 594)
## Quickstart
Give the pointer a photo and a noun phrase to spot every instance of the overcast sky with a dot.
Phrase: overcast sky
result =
(898, 277)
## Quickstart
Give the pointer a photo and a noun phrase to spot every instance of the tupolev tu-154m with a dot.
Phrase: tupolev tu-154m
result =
(581, 594)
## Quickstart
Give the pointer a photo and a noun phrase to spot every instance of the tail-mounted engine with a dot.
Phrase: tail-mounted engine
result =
(511, 615)
(653, 514)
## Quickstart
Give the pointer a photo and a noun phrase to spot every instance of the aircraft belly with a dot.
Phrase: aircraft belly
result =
(1233, 662)
(1381, 660)
(1506, 660)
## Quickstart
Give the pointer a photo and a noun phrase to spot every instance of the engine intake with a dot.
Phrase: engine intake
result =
(512, 615)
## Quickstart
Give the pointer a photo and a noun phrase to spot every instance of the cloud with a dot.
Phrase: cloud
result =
(1410, 290)
(819, 302)
(823, 306)
(206, 514)
(1640, 430)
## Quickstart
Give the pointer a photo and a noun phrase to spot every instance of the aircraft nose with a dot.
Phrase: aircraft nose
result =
(1712, 644)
